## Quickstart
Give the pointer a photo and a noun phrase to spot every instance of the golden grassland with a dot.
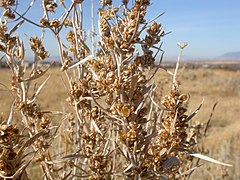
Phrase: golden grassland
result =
(214, 85)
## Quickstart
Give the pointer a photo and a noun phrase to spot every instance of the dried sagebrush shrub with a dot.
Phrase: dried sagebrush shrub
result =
(117, 128)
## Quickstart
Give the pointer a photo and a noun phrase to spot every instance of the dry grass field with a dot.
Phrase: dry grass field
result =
(214, 85)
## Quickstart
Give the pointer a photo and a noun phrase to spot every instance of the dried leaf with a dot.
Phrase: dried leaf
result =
(39, 89)
(53, 112)
(128, 168)
(95, 126)
(16, 27)
(82, 61)
(210, 118)
(163, 151)
(206, 158)
(11, 113)
(31, 141)
(39, 75)
(171, 162)
(194, 113)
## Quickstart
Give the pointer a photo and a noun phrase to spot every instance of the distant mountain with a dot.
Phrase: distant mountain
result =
(231, 56)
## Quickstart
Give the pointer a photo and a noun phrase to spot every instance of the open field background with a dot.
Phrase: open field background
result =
(214, 85)
(223, 136)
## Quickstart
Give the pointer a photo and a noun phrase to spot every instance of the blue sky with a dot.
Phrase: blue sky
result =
(211, 27)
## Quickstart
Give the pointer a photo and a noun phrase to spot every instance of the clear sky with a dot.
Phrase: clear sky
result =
(211, 27)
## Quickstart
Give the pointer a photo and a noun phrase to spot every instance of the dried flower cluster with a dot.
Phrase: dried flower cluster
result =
(13, 158)
(76, 46)
(8, 12)
(50, 5)
(38, 48)
(9, 138)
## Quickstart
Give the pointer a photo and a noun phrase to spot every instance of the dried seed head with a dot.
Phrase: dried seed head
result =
(67, 23)
(183, 98)
(9, 135)
(37, 47)
(132, 135)
(40, 158)
(95, 112)
(51, 7)
(70, 36)
(5, 3)
(20, 52)
(67, 61)
(44, 22)
(106, 2)
(45, 122)
(5, 169)
(133, 125)
(78, 1)
(8, 13)
(182, 45)
(55, 23)
(110, 77)
(125, 111)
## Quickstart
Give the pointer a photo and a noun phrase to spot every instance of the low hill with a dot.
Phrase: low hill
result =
(231, 56)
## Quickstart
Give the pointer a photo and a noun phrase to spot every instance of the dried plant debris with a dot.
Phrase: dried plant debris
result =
(116, 128)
